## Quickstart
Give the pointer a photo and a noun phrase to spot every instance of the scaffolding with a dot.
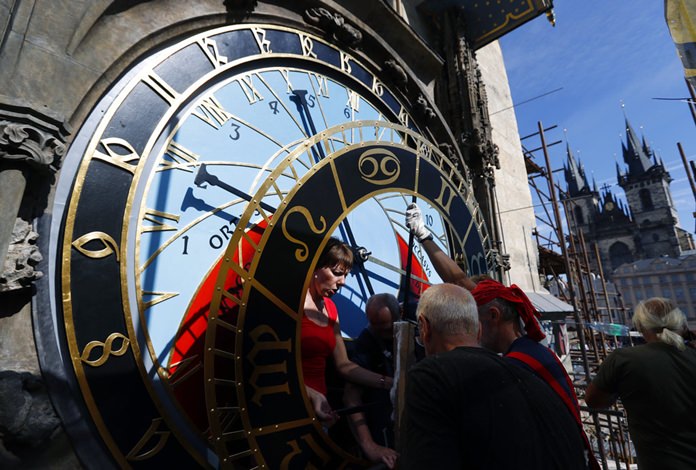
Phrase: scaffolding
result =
(599, 315)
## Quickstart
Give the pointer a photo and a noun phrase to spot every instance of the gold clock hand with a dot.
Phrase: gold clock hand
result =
(203, 177)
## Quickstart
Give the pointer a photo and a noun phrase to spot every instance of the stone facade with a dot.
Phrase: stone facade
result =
(59, 58)
(674, 278)
(513, 199)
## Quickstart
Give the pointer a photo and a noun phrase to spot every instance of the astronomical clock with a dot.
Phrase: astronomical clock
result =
(189, 216)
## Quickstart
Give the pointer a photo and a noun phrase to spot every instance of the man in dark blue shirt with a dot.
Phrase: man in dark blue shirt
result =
(374, 429)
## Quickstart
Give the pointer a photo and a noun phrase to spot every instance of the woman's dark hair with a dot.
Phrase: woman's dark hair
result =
(336, 253)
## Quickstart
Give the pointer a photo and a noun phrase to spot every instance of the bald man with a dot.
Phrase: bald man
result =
(468, 408)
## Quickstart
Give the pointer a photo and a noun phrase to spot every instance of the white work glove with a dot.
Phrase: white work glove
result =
(414, 222)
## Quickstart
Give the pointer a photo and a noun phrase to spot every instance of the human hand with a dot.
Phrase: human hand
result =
(414, 222)
(321, 407)
(377, 453)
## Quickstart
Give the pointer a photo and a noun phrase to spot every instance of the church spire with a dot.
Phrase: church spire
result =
(635, 154)
(574, 175)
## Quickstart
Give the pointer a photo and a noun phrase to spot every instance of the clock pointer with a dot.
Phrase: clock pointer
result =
(299, 97)
(203, 177)
(192, 202)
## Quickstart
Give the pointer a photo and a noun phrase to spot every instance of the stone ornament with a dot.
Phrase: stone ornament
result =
(334, 24)
(22, 257)
(395, 72)
(423, 108)
(24, 142)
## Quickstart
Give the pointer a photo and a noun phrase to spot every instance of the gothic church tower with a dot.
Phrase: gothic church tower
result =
(647, 227)
(646, 184)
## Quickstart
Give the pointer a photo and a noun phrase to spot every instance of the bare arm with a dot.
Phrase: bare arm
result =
(595, 397)
(351, 371)
(321, 407)
(358, 425)
(446, 267)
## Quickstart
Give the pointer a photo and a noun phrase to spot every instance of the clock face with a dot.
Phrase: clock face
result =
(203, 188)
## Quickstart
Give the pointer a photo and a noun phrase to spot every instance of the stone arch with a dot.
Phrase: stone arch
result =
(619, 253)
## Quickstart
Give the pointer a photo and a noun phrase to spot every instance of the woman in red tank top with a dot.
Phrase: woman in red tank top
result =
(321, 332)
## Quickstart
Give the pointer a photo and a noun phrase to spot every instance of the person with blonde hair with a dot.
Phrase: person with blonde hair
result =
(656, 383)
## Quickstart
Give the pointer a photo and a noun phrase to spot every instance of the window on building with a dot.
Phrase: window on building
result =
(619, 254)
(645, 199)
(579, 219)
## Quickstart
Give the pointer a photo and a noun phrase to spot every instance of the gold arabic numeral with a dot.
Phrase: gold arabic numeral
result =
(285, 73)
(446, 195)
(161, 87)
(155, 298)
(180, 158)
(322, 88)
(109, 245)
(403, 117)
(211, 51)
(316, 450)
(353, 100)
(157, 219)
(307, 46)
(424, 150)
(260, 336)
(377, 87)
(264, 44)
(156, 436)
(345, 63)
(247, 84)
(212, 112)
(302, 253)
(107, 349)
(118, 153)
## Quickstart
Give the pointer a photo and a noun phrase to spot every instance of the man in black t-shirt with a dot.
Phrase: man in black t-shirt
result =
(373, 429)
(468, 408)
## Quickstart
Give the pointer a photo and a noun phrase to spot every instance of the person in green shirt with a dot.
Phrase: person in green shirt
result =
(656, 383)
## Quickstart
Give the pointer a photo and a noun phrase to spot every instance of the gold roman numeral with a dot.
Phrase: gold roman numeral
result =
(322, 88)
(155, 298)
(154, 217)
(353, 100)
(250, 91)
(212, 112)
(161, 87)
(181, 158)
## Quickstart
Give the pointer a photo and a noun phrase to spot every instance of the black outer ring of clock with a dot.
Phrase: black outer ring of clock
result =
(117, 390)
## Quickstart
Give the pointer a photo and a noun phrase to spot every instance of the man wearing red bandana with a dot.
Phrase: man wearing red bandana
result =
(509, 322)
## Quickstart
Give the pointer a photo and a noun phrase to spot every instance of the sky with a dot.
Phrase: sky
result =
(610, 58)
